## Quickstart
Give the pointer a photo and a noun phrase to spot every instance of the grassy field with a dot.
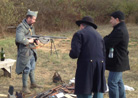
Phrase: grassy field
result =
(47, 64)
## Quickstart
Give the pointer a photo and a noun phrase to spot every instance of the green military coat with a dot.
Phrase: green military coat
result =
(25, 50)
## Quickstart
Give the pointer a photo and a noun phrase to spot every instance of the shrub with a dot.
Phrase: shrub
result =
(62, 14)
(7, 14)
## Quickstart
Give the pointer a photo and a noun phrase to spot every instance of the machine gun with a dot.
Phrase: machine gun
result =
(45, 40)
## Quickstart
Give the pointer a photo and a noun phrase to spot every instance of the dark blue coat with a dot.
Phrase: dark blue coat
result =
(88, 46)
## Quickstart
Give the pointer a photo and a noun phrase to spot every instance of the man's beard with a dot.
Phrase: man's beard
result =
(30, 24)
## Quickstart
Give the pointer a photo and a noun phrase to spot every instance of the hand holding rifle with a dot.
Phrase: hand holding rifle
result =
(31, 40)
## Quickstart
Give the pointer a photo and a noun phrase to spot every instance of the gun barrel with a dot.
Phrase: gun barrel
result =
(53, 37)
(45, 37)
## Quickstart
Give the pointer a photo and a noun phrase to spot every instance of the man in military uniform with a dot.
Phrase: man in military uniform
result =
(26, 56)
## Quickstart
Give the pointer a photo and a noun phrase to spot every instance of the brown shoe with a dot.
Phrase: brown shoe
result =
(26, 90)
(35, 86)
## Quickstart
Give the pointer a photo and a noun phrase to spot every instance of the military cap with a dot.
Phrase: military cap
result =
(32, 13)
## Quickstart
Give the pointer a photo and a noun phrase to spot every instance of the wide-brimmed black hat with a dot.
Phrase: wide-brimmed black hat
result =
(87, 20)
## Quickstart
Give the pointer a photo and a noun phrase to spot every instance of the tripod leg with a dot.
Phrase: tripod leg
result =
(54, 47)
(51, 45)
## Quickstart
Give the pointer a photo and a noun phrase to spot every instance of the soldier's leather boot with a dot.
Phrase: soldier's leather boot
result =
(26, 90)
(35, 86)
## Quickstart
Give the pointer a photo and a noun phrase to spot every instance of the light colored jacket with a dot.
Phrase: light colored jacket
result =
(25, 50)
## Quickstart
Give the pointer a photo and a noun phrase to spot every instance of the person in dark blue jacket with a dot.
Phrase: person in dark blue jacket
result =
(88, 46)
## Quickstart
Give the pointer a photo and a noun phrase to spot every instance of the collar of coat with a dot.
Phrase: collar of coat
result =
(88, 26)
(119, 24)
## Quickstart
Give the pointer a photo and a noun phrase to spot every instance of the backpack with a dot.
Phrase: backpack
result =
(57, 78)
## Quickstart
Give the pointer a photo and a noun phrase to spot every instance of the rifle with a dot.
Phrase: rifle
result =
(45, 40)
(61, 88)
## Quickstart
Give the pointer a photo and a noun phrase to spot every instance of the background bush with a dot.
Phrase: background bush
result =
(62, 14)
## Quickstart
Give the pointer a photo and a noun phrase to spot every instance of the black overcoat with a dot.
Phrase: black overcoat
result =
(118, 39)
(87, 45)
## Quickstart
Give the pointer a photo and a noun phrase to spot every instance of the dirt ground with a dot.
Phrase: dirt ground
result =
(47, 64)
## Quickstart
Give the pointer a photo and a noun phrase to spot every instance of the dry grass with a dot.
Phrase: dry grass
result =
(47, 64)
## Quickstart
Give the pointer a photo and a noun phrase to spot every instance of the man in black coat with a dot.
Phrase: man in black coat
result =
(88, 46)
(117, 41)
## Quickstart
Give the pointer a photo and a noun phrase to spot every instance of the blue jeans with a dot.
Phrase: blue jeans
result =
(29, 72)
(96, 95)
(116, 86)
